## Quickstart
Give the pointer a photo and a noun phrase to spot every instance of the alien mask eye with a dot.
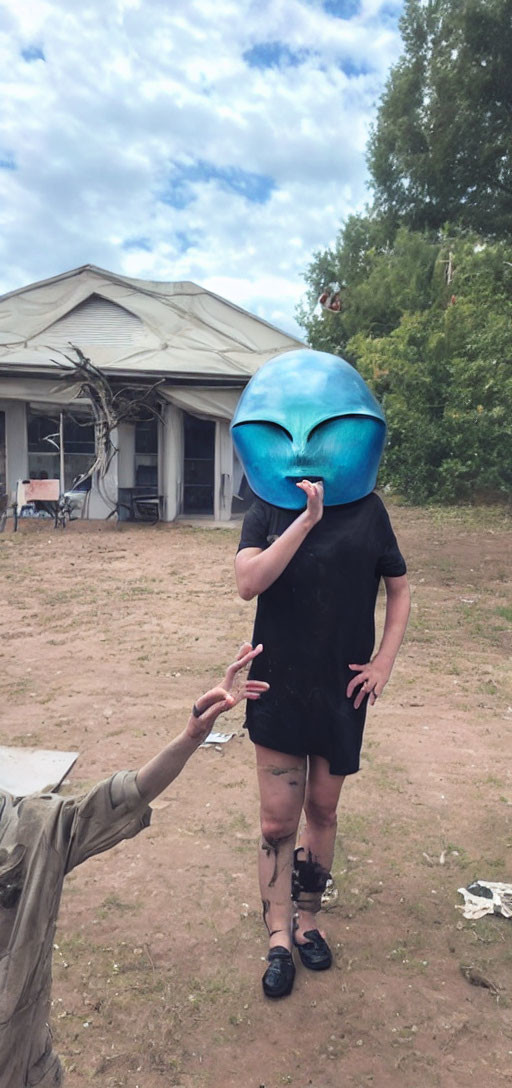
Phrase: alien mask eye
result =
(341, 452)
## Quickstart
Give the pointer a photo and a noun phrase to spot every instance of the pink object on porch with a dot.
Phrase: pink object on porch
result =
(37, 490)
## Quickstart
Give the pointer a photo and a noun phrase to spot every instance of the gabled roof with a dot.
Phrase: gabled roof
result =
(133, 326)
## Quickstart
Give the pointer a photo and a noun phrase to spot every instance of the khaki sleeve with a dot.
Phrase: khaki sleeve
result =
(112, 811)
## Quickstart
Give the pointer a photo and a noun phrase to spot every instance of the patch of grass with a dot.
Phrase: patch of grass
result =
(386, 777)
(134, 592)
(61, 596)
(239, 822)
(475, 518)
(457, 854)
(494, 780)
(353, 827)
(20, 687)
(25, 740)
(488, 688)
(114, 904)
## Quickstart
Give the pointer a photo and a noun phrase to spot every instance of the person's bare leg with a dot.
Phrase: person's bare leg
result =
(281, 781)
(316, 845)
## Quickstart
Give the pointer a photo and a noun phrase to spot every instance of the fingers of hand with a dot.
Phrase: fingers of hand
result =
(312, 490)
(245, 655)
(212, 698)
(355, 681)
(245, 648)
(242, 662)
(224, 692)
(255, 688)
(368, 686)
(252, 689)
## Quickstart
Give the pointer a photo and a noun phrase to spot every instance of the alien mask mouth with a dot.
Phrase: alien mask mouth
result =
(308, 477)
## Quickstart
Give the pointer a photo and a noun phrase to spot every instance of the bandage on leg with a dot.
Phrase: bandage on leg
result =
(309, 880)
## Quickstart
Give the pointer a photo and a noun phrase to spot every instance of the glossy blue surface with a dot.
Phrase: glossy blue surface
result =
(309, 415)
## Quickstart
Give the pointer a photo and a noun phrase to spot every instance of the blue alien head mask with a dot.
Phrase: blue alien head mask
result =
(308, 415)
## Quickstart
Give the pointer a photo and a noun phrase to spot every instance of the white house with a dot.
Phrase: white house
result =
(200, 348)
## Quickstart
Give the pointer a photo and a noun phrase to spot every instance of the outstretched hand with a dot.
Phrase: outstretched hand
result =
(233, 688)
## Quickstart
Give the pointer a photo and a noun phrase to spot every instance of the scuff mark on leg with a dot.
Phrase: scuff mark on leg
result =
(285, 770)
(271, 846)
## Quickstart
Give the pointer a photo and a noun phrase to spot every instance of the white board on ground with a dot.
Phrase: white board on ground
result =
(30, 770)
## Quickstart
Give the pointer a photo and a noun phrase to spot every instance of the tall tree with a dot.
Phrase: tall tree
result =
(441, 149)
(379, 282)
(444, 378)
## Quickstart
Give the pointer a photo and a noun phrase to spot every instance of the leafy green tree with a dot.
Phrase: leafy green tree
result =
(379, 282)
(426, 273)
(441, 149)
(444, 377)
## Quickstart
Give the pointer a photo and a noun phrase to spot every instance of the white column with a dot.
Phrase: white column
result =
(171, 462)
(16, 443)
(126, 455)
(223, 487)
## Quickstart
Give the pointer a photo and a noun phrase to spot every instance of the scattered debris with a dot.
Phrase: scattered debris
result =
(330, 895)
(486, 897)
(216, 738)
(476, 978)
(442, 857)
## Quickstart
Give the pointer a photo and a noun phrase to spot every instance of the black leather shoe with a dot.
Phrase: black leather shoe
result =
(315, 954)
(278, 978)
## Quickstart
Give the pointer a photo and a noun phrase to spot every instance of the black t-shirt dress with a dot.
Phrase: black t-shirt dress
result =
(315, 620)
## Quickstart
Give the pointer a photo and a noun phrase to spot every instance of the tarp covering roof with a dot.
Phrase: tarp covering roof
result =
(172, 330)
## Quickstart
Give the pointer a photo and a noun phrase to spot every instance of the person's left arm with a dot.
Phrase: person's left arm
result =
(118, 808)
(372, 678)
(156, 775)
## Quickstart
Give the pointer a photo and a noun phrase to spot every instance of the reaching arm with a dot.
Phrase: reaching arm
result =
(156, 775)
(256, 570)
(372, 678)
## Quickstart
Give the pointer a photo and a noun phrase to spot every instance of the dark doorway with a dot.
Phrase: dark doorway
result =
(3, 481)
(199, 469)
(146, 454)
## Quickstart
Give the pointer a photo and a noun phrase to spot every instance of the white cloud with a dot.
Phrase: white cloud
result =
(106, 106)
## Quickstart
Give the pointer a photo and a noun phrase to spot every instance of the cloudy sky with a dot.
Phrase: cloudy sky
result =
(219, 141)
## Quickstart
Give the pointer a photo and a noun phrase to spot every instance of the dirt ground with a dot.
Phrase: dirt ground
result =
(108, 635)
